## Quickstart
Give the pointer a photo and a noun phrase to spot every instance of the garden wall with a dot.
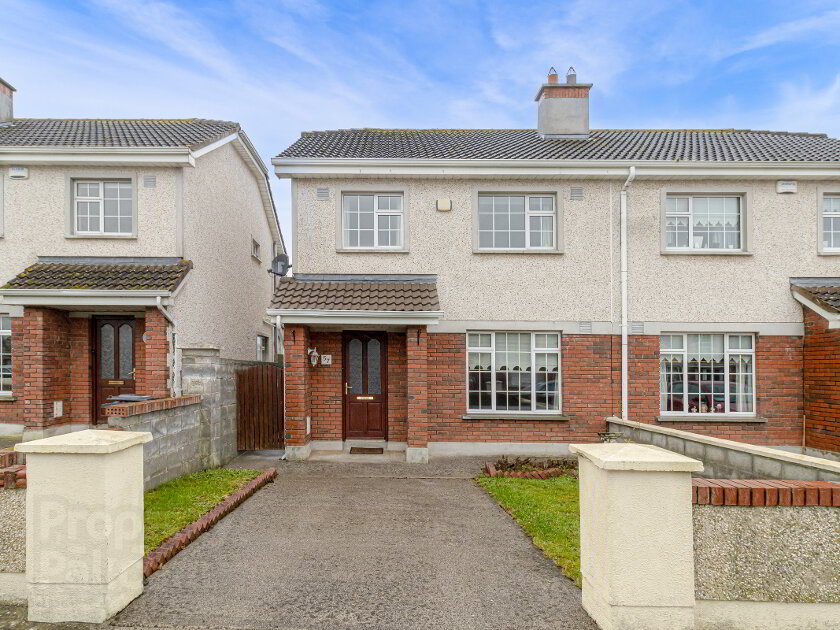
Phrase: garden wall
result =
(728, 459)
(12, 545)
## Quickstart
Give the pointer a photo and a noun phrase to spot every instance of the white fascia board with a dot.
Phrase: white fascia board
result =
(303, 167)
(97, 155)
(384, 318)
(74, 297)
(832, 318)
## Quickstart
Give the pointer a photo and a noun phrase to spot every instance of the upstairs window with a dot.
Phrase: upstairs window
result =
(5, 354)
(831, 223)
(372, 221)
(103, 207)
(703, 222)
(255, 249)
(516, 222)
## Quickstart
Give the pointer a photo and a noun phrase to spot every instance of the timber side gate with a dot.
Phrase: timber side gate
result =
(259, 408)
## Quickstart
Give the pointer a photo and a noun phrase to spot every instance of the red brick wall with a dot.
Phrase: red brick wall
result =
(155, 365)
(418, 386)
(297, 398)
(46, 365)
(822, 383)
(80, 395)
(326, 387)
(397, 388)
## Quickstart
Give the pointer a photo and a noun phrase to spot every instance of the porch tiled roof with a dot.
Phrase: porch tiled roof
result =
(823, 291)
(114, 274)
(362, 293)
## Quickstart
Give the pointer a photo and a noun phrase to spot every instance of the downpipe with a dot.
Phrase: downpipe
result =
(625, 324)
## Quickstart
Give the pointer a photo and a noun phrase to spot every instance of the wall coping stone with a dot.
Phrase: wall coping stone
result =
(124, 410)
(763, 451)
(764, 492)
(89, 441)
(642, 457)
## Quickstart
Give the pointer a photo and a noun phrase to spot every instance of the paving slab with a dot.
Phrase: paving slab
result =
(352, 546)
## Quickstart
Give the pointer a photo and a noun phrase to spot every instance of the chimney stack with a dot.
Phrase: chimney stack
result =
(563, 107)
(7, 101)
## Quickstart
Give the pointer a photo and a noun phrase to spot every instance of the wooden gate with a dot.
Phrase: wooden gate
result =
(259, 408)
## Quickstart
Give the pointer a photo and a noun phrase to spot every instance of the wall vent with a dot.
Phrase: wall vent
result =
(149, 181)
(322, 193)
(637, 328)
(576, 193)
(585, 327)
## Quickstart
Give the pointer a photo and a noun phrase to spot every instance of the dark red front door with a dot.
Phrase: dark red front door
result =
(114, 359)
(365, 387)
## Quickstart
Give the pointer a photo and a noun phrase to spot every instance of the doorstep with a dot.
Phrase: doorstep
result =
(339, 451)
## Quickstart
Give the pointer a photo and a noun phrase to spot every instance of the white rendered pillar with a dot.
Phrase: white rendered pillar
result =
(636, 536)
(84, 524)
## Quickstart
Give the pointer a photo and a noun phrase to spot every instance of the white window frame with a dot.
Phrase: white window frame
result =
(255, 249)
(691, 197)
(727, 351)
(377, 213)
(822, 214)
(76, 199)
(263, 349)
(553, 213)
(534, 350)
(5, 332)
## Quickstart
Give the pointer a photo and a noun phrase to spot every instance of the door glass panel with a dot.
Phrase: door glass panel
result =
(354, 367)
(373, 367)
(126, 351)
(106, 351)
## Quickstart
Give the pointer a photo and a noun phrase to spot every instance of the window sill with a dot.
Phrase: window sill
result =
(101, 236)
(700, 252)
(823, 253)
(712, 418)
(369, 250)
(533, 417)
(532, 252)
(7, 398)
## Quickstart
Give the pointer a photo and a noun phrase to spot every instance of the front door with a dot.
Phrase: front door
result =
(114, 360)
(365, 387)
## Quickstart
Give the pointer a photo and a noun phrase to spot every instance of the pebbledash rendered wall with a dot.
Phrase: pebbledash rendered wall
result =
(12, 544)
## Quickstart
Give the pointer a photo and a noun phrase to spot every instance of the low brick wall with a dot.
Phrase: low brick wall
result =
(727, 459)
(767, 553)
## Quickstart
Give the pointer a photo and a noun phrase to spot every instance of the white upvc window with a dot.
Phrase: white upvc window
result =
(703, 222)
(372, 221)
(103, 207)
(255, 248)
(513, 371)
(711, 374)
(262, 348)
(511, 221)
(831, 223)
(5, 354)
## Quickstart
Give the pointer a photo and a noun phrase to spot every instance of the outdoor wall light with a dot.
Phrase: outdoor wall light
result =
(313, 356)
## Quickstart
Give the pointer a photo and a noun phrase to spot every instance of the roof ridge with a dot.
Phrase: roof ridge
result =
(503, 129)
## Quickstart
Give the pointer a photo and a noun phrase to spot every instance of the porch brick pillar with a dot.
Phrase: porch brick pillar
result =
(156, 354)
(297, 395)
(416, 344)
(81, 370)
(46, 359)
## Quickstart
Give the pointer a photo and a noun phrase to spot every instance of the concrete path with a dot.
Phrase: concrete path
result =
(352, 546)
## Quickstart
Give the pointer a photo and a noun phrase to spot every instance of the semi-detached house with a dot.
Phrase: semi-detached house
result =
(506, 290)
(124, 243)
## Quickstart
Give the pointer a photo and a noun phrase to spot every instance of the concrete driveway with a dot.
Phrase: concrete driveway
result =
(371, 546)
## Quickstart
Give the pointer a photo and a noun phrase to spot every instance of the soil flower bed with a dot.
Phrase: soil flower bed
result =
(528, 468)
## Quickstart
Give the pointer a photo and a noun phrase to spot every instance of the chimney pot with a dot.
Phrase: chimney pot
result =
(571, 76)
(552, 75)
(7, 101)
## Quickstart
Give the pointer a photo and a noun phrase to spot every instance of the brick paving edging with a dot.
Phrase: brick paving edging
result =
(546, 473)
(170, 547)
(764, 492)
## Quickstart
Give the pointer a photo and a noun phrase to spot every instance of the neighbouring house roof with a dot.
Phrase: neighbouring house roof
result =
(189, 133)
(693, 145)
(102, 274)
(357, 293)
(824, 292)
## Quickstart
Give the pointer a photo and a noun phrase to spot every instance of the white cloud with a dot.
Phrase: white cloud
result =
(826, 26)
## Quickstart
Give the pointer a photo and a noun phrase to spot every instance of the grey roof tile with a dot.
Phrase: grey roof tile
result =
(190, 133)
(726, 145)
(132, 276)
(823, 291)
(356, 296)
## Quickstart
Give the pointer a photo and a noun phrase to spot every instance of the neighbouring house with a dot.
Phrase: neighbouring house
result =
(122, 244)
(484, 291)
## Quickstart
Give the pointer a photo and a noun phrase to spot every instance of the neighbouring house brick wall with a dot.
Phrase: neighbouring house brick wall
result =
(822, 383)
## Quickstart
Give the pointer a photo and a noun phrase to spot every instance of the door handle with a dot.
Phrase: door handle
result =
(346, 389)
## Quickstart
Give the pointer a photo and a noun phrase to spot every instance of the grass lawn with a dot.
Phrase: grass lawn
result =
(177, 503)
(548, 512)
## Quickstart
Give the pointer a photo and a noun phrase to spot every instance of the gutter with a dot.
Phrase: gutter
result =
(625, 297)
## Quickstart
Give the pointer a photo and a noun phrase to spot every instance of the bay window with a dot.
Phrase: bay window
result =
(372, 221)
(703, 222)
(513, 371)
(707, 374)
(5, 354)
(517, 222)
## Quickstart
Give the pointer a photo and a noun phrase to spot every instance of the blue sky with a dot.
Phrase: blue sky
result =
(283, 66)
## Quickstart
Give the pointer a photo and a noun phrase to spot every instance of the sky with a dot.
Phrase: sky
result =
(280, 67)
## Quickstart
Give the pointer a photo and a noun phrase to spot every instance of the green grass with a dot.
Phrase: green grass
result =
(177, 503)
(548, 512)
